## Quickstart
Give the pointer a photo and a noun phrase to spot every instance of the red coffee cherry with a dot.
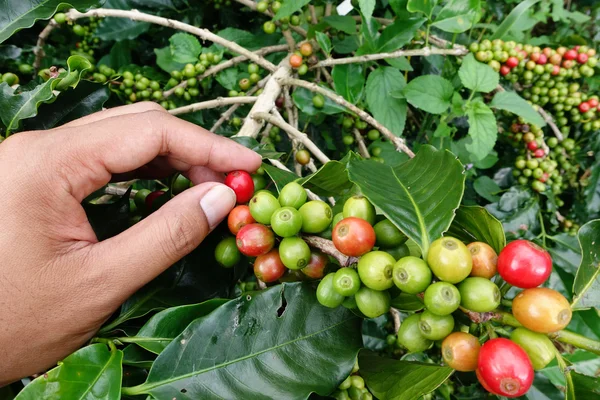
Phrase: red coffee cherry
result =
(242, 184)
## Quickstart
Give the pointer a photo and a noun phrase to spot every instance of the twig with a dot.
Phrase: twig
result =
(266, 101)
(328, 8)
(281, 166)
(548, 118)
(227, 114)
(277, 120)
(327, 247)
(425, 52)
(362, 147)
(39, 47)
(313, 14)
(289, 39)
(227, 64)
(218, 102)
(252, 5)
(204, 34)
(396, 317)
(398, 142)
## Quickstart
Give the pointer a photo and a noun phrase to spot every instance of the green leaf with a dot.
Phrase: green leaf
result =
(518, 210)
(430, 93)
(410, 194)
(374, 333)
(331, 179)
(164, 59)
(119, 29)
(228, 78)
(592, 190)
(280, 177)
(487, 188)
(288, 7)
(390, 379)
(93, 372)
(324, 42)
(20, 106)
(185, 48)
(87, 98)
(346, 24)
(512, 102)
(303, 100)
(119, 56)
(586, 289)
(477, 76)
(586, 387)
(166, 325)
(389, 111)
(398, 34)
(476, 224)
(483, 130)
(134, 355)
(19, 14)
(458, 16)
(512, 18)
(400, 63)
(423, 6)
(251, 143)
(407, 302)
(366, 8)
(234, 351)
(349, 80)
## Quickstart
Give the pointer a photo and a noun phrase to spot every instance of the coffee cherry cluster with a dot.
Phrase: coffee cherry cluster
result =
(349, 123)
(544, 164)
(353, 387)
(135, 86)
(297, 61)
(547, 77)
(88, 43)
(245, 84)
(268, 228)
(270, 27)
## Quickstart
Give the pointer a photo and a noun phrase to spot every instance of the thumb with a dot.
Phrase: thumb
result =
(163, 238)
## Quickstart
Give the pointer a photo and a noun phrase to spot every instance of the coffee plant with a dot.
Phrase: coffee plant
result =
(425, 224)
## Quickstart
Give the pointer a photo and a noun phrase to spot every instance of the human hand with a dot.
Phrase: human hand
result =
(58, 284)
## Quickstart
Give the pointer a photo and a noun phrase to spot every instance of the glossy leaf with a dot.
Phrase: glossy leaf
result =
(518, 210)
(235, 351)
(19, 14)
(166, 325)
(374, 333)
(262, 149)
(366, 8)
(346, 24)
(349, 80)
(477, 76)
(476, 224)
(419, 196)
(331, 179)
(389, 111)
(185, 48)
(120, 29)
(93, 372)
(423, 6)
(483, 130)
(135, 356)
(303, 98)
(592, 190)
(288, 7)
(487, 188)
(390, 379)
(324, 42)
(87, 98)
(586, 288)
(398, 34)
(458, 16)
(407, 302)
(280, 177)
(512, 18)
(430, 93)
(586, 387)
(510, 101)
(164, 59)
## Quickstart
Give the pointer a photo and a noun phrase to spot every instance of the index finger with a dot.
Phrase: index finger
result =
(92, 153)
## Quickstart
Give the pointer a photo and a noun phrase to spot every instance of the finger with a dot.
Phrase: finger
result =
(115, 112)
(157, 242)
(157, 170)
(90, 154)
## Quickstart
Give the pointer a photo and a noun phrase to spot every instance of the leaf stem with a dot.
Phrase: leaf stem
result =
(427, 33)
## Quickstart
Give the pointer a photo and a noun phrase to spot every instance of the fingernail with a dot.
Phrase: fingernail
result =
(217, 203)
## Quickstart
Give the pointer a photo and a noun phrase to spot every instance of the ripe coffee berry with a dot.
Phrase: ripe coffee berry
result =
(582, 58)
(269, 267)
(503, 368)
(485, 260)
(570, 55)
(315, 268)
(460, 351)
(512, 62)
(353, 236)
(524, 264)
(254, 240)
(242, 184)
(584, 107)
(593, 102)
(295, 61)
(532, 145)
(238, 218)
(504, 70)
(151, 198)
(539, 153)
(306, 49)
(542, 310)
